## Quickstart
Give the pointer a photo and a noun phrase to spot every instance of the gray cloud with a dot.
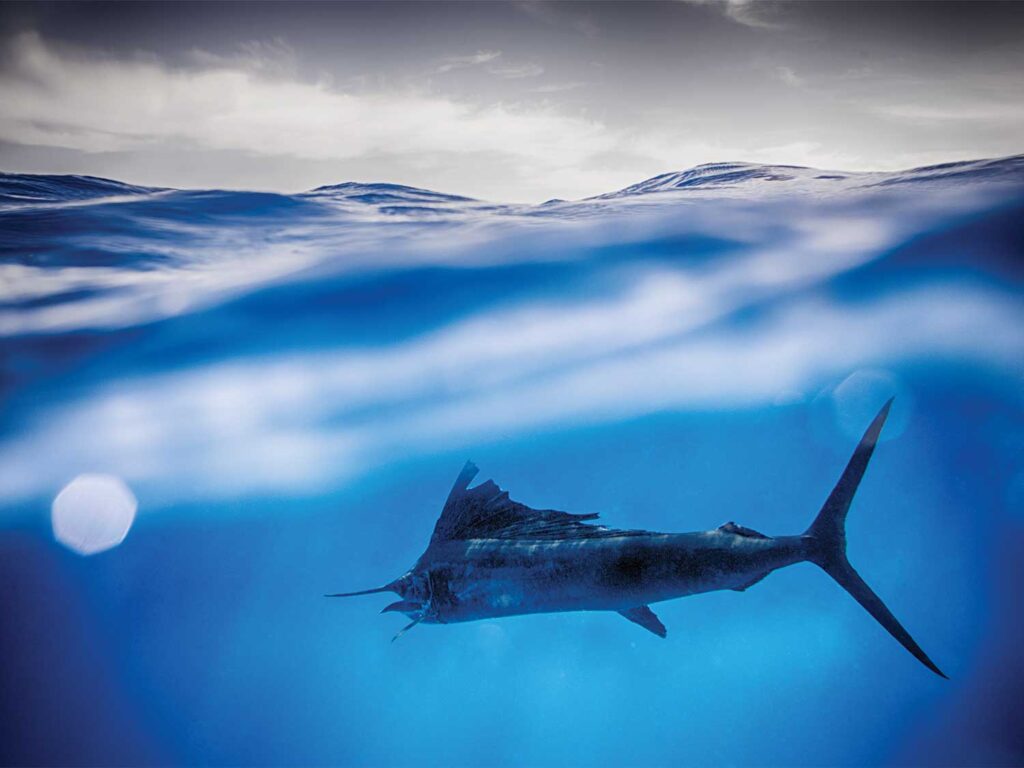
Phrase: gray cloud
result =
(457, 62)
(761, 14)
(488, 99)
(97, 105)
(517, 71)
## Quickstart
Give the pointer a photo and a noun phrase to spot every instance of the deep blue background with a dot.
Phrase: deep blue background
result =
(204, 638)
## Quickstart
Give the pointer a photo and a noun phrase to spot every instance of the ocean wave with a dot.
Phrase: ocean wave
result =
(246, 340)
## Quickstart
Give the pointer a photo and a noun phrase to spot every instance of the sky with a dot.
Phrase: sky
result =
(517, 102)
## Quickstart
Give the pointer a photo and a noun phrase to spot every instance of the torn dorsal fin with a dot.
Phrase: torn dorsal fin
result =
(452, 516)
(469, 471)
(740, 530)
(487, 512)
(646, 618)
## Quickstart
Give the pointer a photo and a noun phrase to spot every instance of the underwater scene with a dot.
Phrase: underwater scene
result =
(221, 406)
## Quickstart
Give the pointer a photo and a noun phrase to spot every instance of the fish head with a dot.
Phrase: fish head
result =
(412, 586)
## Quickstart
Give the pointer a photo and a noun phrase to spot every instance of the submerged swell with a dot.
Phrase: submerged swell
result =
(349, 323)
(288, 382)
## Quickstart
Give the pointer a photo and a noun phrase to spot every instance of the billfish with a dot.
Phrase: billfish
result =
(490, 556)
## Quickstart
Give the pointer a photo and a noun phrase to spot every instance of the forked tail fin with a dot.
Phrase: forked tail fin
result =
(829, 547)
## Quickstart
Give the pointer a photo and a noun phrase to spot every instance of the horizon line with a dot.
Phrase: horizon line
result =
(467, 198)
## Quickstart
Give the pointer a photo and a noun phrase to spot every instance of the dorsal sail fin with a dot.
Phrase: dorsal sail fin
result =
(487, 512)
(646, 618)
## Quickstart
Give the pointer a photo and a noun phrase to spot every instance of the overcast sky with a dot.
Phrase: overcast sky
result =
(505, 101)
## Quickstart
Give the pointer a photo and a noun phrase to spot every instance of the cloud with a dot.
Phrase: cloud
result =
(753, 14)
(202, 124)
(559, 87)
(97, 105)
(275, 57)
(789, 77)
(760, 14)
(564, 15)
(458, 62)
(969, 110)
(511, 71)
(519, 71)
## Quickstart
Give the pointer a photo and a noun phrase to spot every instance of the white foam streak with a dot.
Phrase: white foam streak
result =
(311, 423)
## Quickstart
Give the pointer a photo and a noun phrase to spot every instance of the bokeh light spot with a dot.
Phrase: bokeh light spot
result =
(93, 513)
(858, 397)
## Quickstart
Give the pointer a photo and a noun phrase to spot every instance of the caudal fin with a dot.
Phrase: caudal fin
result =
(829, 546)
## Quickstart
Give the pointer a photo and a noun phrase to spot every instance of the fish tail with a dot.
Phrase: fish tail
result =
(827, 536)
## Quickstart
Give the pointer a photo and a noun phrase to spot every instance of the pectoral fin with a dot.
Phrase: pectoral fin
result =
(404, 606)
(646, 618)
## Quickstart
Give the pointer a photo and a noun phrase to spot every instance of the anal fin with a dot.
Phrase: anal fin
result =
(750, 583)
(646, 618)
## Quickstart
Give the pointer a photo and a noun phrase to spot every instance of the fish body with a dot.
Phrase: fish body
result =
(490, 557)
(489, 578)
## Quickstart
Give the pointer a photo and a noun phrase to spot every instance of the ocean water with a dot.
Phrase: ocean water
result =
(289, 384)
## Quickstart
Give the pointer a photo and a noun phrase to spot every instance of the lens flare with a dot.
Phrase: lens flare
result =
(93, 513)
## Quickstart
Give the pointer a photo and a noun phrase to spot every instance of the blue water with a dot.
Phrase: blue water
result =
(289, 385)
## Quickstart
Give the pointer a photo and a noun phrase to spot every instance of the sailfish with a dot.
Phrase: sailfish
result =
(490, 556)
